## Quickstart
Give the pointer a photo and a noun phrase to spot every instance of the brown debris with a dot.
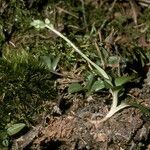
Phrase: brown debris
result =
(135, 10)
(26, 139)
(75, 131)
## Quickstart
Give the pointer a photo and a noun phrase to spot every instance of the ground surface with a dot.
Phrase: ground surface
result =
(34, 88)
(75, 130)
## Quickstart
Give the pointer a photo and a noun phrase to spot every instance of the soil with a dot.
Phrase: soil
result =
(72, 127)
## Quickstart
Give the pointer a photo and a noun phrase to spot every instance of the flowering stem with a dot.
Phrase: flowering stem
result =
(101, 71)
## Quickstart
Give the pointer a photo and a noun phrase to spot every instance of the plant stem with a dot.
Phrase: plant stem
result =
(111, 113)
(101, 71)
(115, 98)
(113, 110)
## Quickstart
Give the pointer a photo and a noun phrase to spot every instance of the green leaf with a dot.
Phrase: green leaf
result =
(74, 87)
(55, 62)
(98, 85)
(49, 62)
(122, 80)
(89, 81)
(15, 128)
(108, 84)
(142, 108)
(46, 60)
(117, 88)
(38, 24)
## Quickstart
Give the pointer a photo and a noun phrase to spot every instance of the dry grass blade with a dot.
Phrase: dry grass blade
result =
(134, 11)
(145, 1)
(67, 12)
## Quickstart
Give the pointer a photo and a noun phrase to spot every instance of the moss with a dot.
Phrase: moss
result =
(25, 85)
